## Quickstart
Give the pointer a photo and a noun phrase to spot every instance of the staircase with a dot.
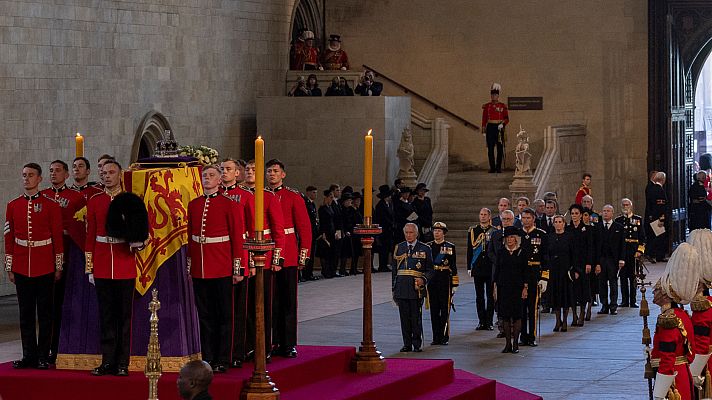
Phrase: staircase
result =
(463, 194)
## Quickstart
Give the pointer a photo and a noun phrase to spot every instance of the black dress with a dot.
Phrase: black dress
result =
(582, 255)
(561, 289)
(327, 230)
(510, 278)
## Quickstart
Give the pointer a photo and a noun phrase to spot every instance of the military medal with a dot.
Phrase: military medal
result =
(38, 207)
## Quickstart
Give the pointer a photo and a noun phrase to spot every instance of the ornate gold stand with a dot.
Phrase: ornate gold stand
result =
(153, 355)
(368, 359)
(259, 386)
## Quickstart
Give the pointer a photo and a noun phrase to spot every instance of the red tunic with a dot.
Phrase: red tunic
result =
(702, 325)
(494, 113)
(71, 201)
(107, 257)
(34, 245)
(273, 225)
(243, 195)
(583, 191)
(305, 55)
(88, 190)
(335, 59)
(672, 349)
(297, 226)
(215, 228)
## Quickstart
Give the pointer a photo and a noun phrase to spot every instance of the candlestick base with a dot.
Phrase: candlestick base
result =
(368, 360)
(259, 386)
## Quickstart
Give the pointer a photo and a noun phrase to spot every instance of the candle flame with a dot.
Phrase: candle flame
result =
(79, 134)
(369, 132)
(259, 137)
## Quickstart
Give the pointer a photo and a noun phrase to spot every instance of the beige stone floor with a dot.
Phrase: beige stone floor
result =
(603, 360)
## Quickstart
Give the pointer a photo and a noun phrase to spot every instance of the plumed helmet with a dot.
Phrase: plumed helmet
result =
(496, 88)
(701, 240)
(682, 274)
(127, 218)
(308, 35)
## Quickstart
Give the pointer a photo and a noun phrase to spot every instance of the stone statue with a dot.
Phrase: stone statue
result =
(405, 154)
(523, 161)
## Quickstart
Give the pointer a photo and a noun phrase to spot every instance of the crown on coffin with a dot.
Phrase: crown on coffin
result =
(167, 147)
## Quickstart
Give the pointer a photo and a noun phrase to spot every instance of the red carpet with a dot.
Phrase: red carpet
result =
(318, 369)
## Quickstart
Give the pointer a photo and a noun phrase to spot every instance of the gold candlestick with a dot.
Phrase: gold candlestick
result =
(153, 355)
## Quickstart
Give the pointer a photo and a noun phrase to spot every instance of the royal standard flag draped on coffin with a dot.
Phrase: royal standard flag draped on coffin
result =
(166, 193)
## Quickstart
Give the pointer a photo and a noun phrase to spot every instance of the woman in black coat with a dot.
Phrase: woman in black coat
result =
(510, 287)
(581, 260)
(561, 289)
(326, 240)
(592, 220)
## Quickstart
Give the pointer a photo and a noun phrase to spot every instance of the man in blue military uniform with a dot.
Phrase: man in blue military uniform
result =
(533, 243)
(442, 287)
(634, 237)
(414, 267)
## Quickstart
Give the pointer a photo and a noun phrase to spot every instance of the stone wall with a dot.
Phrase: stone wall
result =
(588, 59)
(325, 147)
(97, 67)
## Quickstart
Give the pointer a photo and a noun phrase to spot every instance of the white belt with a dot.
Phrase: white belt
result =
(205, 239)
(109, 239)
(33, 243)
(288, 231)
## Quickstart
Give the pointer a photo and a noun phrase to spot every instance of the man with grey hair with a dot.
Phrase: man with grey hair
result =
(611, 260)
(413, 269)
(634, 237)
(194, 380)
(503, 205)
(698, 209)
(656, 213)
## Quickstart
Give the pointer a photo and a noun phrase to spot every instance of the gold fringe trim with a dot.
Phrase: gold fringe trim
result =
(87, 362)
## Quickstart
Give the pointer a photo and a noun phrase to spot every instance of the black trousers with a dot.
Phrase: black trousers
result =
(239, 327)
(213, 299)
(492, 136)
(115, 298)
(34, 298)
(529, 307)
(484, 299)
(439, 298)
(411, 319)
(251, 322)
(308, 271)
(608, 280)
(284, 320)
(57, 302)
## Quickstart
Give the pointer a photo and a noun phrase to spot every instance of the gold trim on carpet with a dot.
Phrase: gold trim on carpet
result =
(87, 362)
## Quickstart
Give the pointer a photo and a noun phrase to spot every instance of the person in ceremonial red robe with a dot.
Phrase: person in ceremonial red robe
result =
(274, 231)
(585, 189)
(334, 57)
(81, 171)
(674, 339)
(701, 306)
(117, 227)
(73, 204)
(306, 56)
(495, 118)
(297, 230)
(34, 259)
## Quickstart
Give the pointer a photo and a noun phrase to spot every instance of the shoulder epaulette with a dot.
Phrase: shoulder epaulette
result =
(450, 243)
(668, 319)
(700, 303)
(48, 198)
(293, 190)
(96, 194)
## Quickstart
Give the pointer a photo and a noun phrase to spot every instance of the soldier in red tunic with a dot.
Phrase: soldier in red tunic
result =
(585, 189)
(701, 306)
(297, 229)
(216, 228)
(117, 226)
(274, 230)
(232, 173)
(674, 339)
(74, 228)
(495, 118)
(81, 172)
(34, 256)
(335, 58)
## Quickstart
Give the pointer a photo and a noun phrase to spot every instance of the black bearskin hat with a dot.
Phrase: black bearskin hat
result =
(706, 162)
(127, 218)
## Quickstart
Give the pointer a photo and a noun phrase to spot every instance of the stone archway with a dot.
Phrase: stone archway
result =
(148, 133)
(309, 14)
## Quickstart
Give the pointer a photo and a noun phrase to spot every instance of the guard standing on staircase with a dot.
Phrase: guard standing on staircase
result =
(413, 270)
(495, 118)
(442, 287)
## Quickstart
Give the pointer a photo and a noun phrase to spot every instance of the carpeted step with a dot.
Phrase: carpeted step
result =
(505, 392)
(465, 386)
(403, 379)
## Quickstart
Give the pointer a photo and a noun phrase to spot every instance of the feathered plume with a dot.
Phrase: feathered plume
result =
(682, 274)
(701, 240)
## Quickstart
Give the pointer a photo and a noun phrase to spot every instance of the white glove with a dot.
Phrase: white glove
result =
(321, 68)
(454, 289)
(662, 384)
(542, 285)
(698, 364)
(698, 381)
(469, 273)
(500, 126)
(91, 278)
(343, 68)
(338, 235)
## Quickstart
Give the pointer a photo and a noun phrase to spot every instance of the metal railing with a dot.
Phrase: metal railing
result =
(436, 106)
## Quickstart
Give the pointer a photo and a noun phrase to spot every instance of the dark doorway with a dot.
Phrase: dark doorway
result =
(679, 33)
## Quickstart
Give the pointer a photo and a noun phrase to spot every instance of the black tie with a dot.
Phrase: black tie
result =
(549, 221)
(608, 225)
(410, 249)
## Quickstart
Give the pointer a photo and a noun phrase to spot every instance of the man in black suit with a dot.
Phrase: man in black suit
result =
(310, 201)
(547, 222)
(612, 260)
(384, 216)
(656, 212)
